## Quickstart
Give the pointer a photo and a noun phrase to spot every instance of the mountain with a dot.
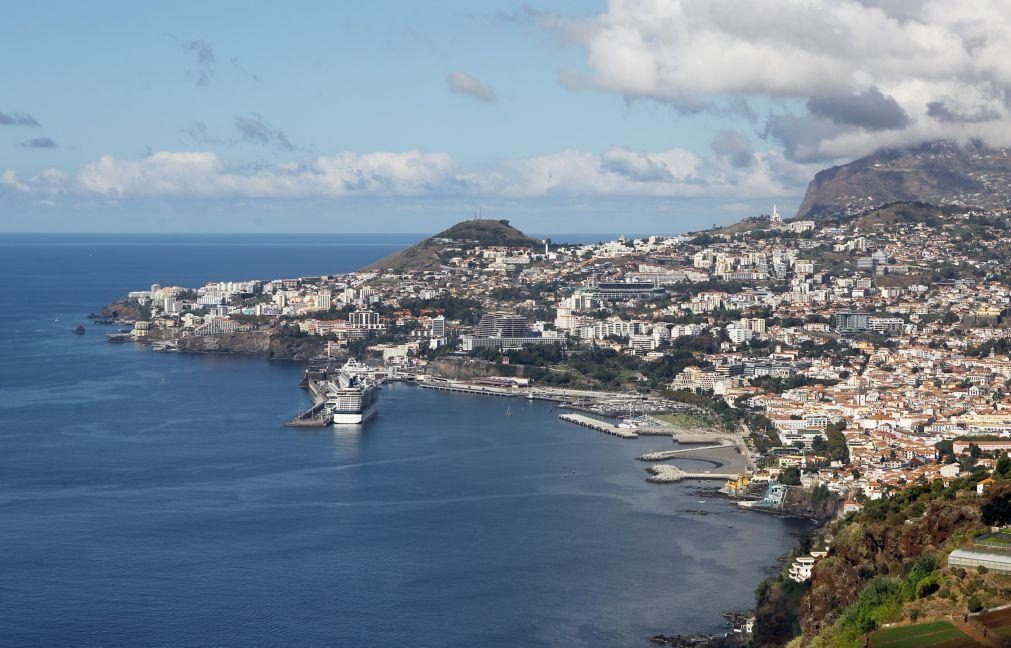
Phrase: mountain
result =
(435, 250)
(940, 173)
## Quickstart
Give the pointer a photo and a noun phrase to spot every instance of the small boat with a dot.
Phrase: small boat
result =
(79, 330)
(509, 411)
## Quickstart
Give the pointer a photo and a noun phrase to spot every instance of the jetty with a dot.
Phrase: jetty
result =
(663, 455)
(600, 426)
(315, 416)
(470, 388)
(667, 473)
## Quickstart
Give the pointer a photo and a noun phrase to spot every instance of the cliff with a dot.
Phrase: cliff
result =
(125, 310)
(885, 564)
(940, 173)
(258, 343)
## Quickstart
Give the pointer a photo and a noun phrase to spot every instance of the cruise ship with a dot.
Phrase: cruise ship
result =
(352, 395)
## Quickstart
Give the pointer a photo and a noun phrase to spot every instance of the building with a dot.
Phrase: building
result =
(502, 325)
(886, 325)
(472, 342)
(848, 322)
(984, 551)
(619, 291)
(800, 570)
(439, 326)
(365, 319)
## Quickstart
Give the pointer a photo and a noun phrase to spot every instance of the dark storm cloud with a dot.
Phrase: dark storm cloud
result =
(800, 136)
(869, 109)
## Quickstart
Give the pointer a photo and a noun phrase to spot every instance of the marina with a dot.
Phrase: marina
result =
(600, 426)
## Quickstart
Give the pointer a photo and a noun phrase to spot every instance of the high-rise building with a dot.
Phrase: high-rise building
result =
(502, 324)
(324, 299)
(851, 322)
(439, 326)
(364, 319)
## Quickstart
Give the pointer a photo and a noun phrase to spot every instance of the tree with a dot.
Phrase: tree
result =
(791, 476)
(996, 511)
(1003, 468)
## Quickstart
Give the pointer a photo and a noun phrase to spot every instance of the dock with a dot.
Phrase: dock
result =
(667, 474)
(600, 426)
(315, 416)
(663, 455)
(462, 388)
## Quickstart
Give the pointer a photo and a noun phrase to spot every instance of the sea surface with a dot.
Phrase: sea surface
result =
(152, 499)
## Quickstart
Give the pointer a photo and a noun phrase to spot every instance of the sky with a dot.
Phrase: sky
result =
(386, 116)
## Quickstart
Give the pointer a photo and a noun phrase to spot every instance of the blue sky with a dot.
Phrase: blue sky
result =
(381, 116)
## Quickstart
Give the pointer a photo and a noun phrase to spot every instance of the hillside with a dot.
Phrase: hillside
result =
(431, 252)
(940, 173)
(886, 564)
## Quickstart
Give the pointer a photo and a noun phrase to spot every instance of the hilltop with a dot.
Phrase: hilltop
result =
(940, 173)
(435, 250)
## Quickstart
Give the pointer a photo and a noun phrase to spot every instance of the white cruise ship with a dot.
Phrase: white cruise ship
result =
(351, 396)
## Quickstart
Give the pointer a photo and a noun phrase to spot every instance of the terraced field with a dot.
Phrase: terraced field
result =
(939, 634)
(999, 621)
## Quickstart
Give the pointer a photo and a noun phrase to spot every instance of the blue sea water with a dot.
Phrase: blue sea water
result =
(154, 499)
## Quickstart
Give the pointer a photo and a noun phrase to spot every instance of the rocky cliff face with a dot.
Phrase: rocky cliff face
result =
(125, 310)
(258, 343)
(864, 550)
(940, 173)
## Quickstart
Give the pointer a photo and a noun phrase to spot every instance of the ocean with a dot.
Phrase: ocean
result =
(151, 499)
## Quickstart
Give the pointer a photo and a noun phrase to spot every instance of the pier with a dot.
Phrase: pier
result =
(315, 416)
(600, 426)
(462, 388)
(663, 455)
(667, 473)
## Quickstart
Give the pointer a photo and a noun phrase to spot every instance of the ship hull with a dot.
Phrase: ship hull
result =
(355, 418)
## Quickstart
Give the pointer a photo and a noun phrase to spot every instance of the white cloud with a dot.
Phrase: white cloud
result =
(872, 68)
(463, 83)
(616, 172)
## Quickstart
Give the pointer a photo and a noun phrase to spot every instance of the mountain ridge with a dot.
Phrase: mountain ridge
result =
(940, 173)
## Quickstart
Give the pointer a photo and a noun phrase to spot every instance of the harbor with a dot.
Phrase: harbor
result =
(345, 396)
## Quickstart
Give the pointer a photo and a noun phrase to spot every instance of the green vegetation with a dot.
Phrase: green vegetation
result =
(687, 421)
(934, 633)
(462, 309)
(996, 511)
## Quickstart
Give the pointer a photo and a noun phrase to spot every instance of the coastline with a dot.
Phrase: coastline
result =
(718, 458)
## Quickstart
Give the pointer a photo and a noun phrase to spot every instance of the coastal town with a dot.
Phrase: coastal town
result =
(829, 363)
(872, 354)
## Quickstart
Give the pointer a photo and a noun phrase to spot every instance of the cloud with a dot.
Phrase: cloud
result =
(616, 172)
(198, 133)
(38, 142)
(463, 83)
(254, 129)
(204, 62)
(734, 147)
(869, 109)
(854, 74)
(942, 112)
(17, 119)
